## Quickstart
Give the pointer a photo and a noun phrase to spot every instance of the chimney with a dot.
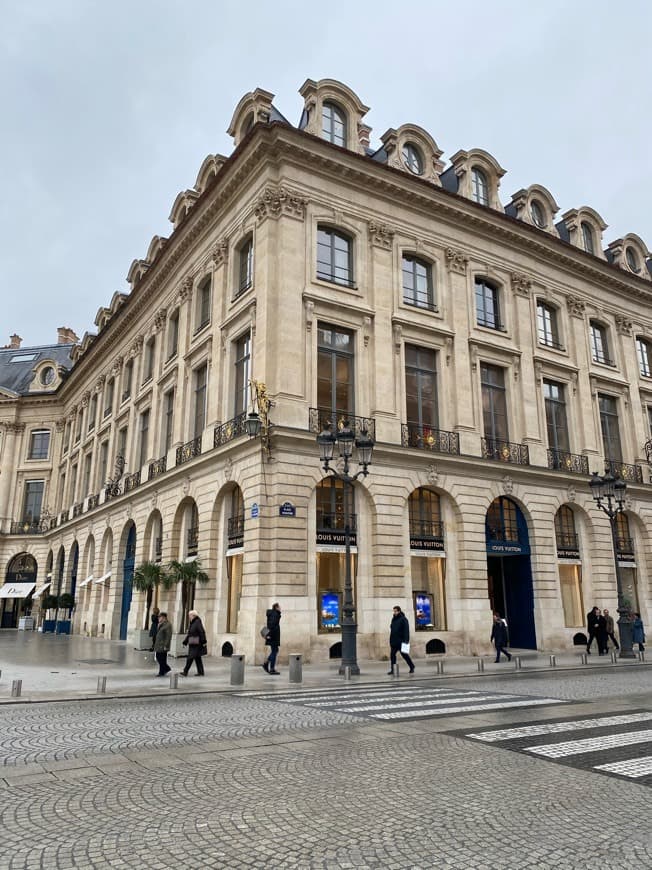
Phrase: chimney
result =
(14, 341)
(66, 335)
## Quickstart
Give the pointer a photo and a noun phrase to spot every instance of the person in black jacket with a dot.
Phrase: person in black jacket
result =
(499, 637)
(399, 633)
(592, 625)
(195, 640)
(273, 639)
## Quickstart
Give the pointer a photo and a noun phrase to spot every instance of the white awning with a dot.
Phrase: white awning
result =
(103, 577)
(16, 590)
(42, 589)
(86, 581)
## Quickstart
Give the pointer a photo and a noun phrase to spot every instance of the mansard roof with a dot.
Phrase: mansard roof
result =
(17, 365)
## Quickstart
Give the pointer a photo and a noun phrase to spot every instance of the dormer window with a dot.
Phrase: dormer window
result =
(479, 186)
(333, 124)
(632, 259)
(588, 238)
(412, 158)
(538, 214)
(47, 376)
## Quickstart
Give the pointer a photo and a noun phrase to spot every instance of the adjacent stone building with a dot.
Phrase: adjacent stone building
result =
(497, 354)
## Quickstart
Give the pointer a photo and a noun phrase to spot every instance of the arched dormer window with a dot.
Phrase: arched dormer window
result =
(333, 112)
(536, 206)
(413, 149)
(334, 124)
(334, 256)
(588, 241)
(630, 253)
(476, 175)
(583, 228)
(479, 186)
(412, 158)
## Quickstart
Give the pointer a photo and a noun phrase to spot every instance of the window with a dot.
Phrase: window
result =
(547, 331)
(150, 351)
(412, 158)
(644, 350)
(588, 238)
(144, 438)
(494, 403)
(570, 584)
(201, 376)
(429, 593)
(104, 462)
(66, 436)
(203, 315)
(168, 420)
(334, 257)
(127, 379)
(33, 500)
(61, 492)
(173, 334)
(79, 424)
(245, 265)
(610, 429)
(417, 283)
(108, 397)
(47, 376)
(73, 483)
(421, 386)
(242, 374)
(88, 461)
(333, 124)
(335, 371)
(486, 304)
(479, 186)
(556, 421)
(92, 412)
(632, 259)
(565, 532)
(335, 511)
(538, 214)
(39, 444)
(122, 444)
(425, 514)
(599, 344)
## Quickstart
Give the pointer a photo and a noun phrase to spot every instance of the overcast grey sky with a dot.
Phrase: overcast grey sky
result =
(108, 110)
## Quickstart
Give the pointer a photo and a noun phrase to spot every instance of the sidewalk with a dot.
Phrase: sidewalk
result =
(61, 667)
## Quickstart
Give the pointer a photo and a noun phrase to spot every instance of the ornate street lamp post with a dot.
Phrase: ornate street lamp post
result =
(364, 444)
(609, 495)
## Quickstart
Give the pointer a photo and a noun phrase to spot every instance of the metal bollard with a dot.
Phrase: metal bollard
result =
(584, 658)
(614, 657)
(440, 667)
(553, 661)
(396, 669)
(517, 663)
(296, 668)
(16, 688)
(237, 670)
(174, 681)
(481, 665)
(101, 685)
(347, 672)
(641, 655)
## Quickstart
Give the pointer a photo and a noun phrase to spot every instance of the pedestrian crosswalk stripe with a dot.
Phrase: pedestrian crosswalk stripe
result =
(633, 768)
(591, 744)
(558, 727)
(468, 708)
(399, 700)
(419, 703)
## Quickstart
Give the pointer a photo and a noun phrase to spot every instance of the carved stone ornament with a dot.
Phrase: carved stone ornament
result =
(129, 510)
(508, 485)
(397, 329)
(521, 284)
(228, 469)
(310, 313)
(99, 383)
(116, 368)
(571, 493)
(84, 399)
(160, 318)
(60, 424)
(380, 235)
(456, 261)
(185, 486)
(516, 361)
(623, 325)
(433, 474)
(576, 307)
(277, 202)
(538, 371)
(629, 502)
(449, 350)
(252, 319)
(220, 253)
(14, 428)
(154, 499)
(366, 329)
(136, 347)
(185, 290)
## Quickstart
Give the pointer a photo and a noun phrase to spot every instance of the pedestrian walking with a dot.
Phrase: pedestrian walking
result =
(609, 620)
(592, 623)
(153, 625)
(273, 638)
(499, 637)
(162, 642)
(601, 634)
(638, 632)
(399, 639)
(195, 640)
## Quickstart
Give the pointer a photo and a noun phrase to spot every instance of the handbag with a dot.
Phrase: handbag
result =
(193, 641)
(405, 648)
(264, 631)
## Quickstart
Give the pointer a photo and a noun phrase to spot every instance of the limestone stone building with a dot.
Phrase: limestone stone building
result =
(496, 351)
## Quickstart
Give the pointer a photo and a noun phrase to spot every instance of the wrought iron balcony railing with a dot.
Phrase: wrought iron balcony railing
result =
(329, 521)
(235, 531)
(230, 430)
(629, 473)
(158, 549)
(189, 450)
(624, 546)
(505, 451)
(157, 467)
(65, 516)
(560, 460)
(27, 527)
(77, 510)
(567, 541)
(320, 417)
(193, 541)
(132, 481)
(93, 501)
(603, 359)
(426, 529)
(112, 490)
(427, 438)
(333, 278)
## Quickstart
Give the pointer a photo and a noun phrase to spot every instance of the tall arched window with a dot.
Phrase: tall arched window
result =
(427, 560)
(333, 124)
(335, 509)
(479, 186)
(570, 567)
(587, 237)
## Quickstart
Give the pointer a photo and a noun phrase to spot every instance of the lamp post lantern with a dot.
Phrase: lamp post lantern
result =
(609, 495)
(345, 440)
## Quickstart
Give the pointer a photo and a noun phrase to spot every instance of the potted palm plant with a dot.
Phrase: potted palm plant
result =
(49, 603)
(66, 602)
(147, 578)
(188, 574)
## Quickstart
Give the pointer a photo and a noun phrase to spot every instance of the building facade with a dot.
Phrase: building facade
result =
(496, 353)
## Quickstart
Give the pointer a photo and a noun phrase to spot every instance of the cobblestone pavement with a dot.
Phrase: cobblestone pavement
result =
(228, 781)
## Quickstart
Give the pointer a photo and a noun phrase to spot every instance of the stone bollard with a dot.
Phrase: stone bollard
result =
(440, 667)
(237, 670)
(295, 668)
(517, 663)
(641, 655)
(347, 672)
(101, 685)
(614, 657)
(481, 665)
(553, 661)
(16, 688)
(174, 681)
(584, 658)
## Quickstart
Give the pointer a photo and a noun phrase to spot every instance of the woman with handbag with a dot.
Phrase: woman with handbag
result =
(195, 640)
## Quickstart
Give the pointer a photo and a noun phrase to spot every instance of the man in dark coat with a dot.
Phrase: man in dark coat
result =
(162, 641)
(601, 634)
(195, 640)
(499, 637)
(399, 633)
(592, 625)
(273, 639)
